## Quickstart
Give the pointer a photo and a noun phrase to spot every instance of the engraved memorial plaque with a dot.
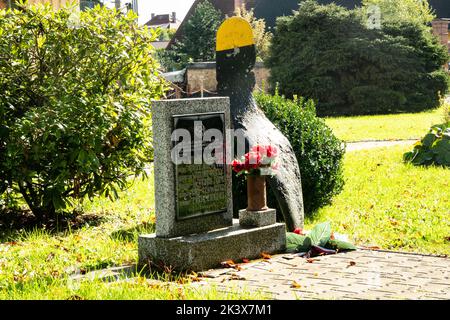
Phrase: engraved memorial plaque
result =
(200, 188)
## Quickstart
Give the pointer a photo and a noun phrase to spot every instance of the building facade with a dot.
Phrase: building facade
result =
(440, 30)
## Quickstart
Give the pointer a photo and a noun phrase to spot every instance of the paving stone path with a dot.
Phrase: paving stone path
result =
(361, 274)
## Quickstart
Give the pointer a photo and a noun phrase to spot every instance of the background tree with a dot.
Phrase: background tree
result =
(327, 53)
(74, 104)
(166, 34)
(262, 37)
(199, 36)
(410, 11)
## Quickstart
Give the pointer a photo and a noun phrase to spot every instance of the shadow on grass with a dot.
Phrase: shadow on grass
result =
(14, 222)
(132, 233)
(118, 273)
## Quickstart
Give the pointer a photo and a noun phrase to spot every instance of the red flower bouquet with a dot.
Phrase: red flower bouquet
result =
(260, 161)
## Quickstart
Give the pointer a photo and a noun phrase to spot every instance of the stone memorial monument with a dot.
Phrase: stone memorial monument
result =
(195, 229)
(194, 197)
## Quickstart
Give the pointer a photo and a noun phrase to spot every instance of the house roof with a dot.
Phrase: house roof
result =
(441, 8)
(161, 19)
(160, 44)
(158, 19)
(271, 9)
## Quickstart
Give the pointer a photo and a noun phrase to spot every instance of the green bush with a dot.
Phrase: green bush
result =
(433, 149)
(75, 92)
(327, 53)
(319, 153)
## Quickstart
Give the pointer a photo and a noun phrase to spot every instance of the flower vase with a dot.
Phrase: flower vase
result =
(256, 193)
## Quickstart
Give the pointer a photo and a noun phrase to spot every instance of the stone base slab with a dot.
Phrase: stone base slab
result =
(257, 218)
(207, 250)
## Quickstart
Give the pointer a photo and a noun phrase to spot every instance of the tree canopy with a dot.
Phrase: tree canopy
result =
(198, 42)
(329, 54)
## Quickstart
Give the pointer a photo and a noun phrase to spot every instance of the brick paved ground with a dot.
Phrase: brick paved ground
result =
(361, 274)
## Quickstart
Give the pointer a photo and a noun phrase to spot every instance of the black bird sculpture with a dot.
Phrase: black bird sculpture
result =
(235, 60)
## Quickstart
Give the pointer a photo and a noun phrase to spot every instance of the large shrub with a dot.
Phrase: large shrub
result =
(319, 153)
(328, 53)
(75, 92)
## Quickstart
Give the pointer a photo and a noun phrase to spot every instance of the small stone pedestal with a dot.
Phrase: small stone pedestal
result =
(204, 251)
(257, 218)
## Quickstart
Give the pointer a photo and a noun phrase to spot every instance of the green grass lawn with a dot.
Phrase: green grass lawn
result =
(390, 204)
(384, 203)
(385, 127)
(37, 264)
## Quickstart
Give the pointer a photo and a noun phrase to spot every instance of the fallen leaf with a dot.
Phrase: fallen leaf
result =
(295, 284)
(266, 256)
(316, 274)
(195, 278)
(352, 263)
(245, 260)
(228, 264)
(236, 277)
(310, 260)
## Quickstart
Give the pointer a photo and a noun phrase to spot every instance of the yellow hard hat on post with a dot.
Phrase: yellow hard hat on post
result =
(234, 33)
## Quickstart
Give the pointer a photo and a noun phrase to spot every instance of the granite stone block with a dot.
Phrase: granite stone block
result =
(257, 218)
(167, 224)
(204, 251)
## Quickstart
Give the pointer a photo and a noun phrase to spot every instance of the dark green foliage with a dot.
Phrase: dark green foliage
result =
(319, 153)
(199, 38)
(74, 104)
(327, 53)
(320, 236)
(296, 242)
(434, 149)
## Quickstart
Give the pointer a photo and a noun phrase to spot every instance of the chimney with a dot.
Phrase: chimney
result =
(174, 17)
(117, 4)
(440, 30)
(152, 15)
